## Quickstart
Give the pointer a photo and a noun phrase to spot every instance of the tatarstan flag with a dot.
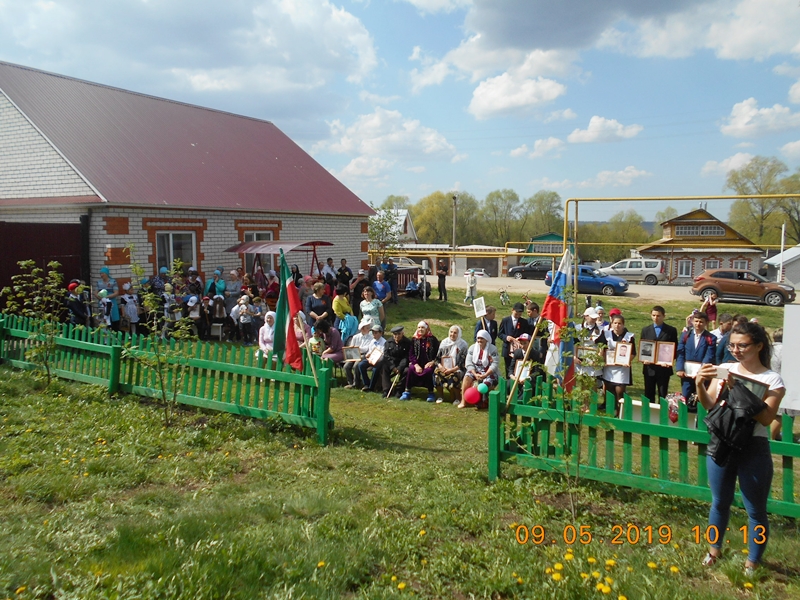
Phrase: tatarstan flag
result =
(285, 342)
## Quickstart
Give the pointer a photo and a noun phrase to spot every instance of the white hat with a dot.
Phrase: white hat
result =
(591, 313)
(365, 323)
(192, 301)
(126, 286)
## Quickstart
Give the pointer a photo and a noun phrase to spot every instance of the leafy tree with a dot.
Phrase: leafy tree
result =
(166, 353)
(384, 232)
(40, 296)
(790, 207)
(544, 212)
(760, 176)
(624, 229)
(396, 203)
(500, 215)
(433, 218)
(664, 215)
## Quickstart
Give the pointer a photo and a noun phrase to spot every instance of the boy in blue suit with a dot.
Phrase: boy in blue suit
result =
(697, 345)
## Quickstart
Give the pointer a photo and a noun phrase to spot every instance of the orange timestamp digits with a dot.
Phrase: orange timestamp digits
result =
(582, 534)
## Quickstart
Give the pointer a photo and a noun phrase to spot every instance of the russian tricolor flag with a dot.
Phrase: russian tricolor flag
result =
(559, 361)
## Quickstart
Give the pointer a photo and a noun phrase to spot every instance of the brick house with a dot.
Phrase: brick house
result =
(697, 241)
(175, 180)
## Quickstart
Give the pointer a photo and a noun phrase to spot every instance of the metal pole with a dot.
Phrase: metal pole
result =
(455, 200)
(783, 240)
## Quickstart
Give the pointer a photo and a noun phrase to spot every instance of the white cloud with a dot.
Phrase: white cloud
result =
(603, 179)
(431, 75)
(561, 115)
(435, 6)
(723, 167)
(604, 130)
(371, 98)
(459, 157)
(794, 93)
(362, 168)
(417, 169)
(745, 145)
(791, 150)
(786, 70)
(517, 152)
(542, 147)
(747, 120)
(505, 94)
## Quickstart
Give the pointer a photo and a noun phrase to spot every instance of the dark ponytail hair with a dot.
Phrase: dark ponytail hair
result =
(758, 335)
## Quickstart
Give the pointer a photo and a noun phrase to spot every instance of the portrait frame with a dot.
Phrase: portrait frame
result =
(759, 388)
(647, 351)
(665, 353)
(448, 362)
(479, 304)
(352, 353)
(691, 368)
(622, 354)
(375, 356)
(609, 358)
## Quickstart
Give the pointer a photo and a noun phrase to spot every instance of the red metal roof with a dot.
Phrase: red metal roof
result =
(139, 149)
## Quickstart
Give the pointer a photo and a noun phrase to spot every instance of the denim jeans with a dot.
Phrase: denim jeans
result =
(753, 467)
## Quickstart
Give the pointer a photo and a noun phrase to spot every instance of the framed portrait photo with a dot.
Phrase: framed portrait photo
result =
(623, 354)
(479, 304)
(665, 353)
(374, 356)
(610, 358)
(691, 368)
(647, 351)
(448, 362)
(351, 354)
(758, 388)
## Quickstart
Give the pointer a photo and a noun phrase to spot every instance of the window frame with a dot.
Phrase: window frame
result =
(740, 264)
(682, 262)
(171, 258)
(707, 264)
(699, 230)
(250, 258)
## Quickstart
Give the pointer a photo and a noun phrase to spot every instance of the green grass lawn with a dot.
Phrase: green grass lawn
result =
(99, 500)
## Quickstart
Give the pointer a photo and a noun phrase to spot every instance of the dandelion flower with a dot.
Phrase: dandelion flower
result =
(568, 556)
(514, 575)
(745, 550)
(320, 564)
(401, 586)
(621, 597)
(513, 525)
(423, 516)
(86, 474)
(596, 574)
(611, 562)
(423, 562)
(608, 580)
(652, 565)
(748, 585)
(676, 545)
(519, 580)
(591, 560)
(558, 566)
(584, 576)
(422, 532)
(606, 589)
(548, 570)
(394, 577)
(21, 589)
(599, 587)
(556, 576)
(630, 569)
(674, 569)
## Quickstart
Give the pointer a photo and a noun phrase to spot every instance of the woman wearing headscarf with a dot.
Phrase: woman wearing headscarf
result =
(482, 365)
(297, 277)
(216, 285)
(106, 282)
(298, 332)
(266, 335)
(273, 286)
(333, 341)
(450, 361)
(421, 361)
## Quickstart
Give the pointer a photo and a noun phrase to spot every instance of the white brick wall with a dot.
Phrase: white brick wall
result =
(29, 166)
(343, 232)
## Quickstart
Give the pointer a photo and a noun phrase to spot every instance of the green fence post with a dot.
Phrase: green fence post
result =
(2, 337)
(114, 369)
(322, 404)
(496, 397)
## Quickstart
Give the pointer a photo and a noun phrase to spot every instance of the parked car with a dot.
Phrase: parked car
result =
(536, 269)
(651, 271)
(403, 262)
(734, 284)
(592, 281)
(478, 272)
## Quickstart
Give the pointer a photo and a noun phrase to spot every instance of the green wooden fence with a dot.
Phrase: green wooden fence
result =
(216, 376)
(650, 453)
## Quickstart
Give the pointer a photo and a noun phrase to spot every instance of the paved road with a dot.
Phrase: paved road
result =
(538, 288)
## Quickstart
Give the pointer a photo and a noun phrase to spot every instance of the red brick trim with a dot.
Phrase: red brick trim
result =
(712, 257)
(198, 226)
(244, 225)
(745, 258)
(117, 256)
(117, 225)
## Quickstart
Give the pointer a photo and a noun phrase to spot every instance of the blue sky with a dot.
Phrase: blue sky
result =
(588, 98)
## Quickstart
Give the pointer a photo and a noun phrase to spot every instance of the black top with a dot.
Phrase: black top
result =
(397, 353)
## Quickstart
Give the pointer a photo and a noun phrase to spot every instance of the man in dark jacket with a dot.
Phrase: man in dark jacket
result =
(656, 377)
(78, 313)
(487, 323)
(697, 345)
(510, 329)
(395, 360)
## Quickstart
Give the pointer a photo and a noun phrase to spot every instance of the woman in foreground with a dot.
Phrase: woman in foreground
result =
(751, 346)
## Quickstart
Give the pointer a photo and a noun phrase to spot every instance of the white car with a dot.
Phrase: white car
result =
(651, 271)
(478, 273)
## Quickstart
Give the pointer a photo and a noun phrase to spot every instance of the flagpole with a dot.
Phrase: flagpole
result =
(301, 325)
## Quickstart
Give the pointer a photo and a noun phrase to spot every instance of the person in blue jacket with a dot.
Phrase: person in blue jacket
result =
(696, 345)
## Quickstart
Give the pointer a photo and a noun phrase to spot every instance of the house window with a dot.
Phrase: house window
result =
(249, 259)
(176, 245)
(741, 264)
(711, 263)
(699, 230)
(685, 268)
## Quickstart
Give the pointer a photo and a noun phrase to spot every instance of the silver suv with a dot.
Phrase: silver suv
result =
(649, 270)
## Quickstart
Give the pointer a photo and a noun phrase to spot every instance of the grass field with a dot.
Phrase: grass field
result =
(99, 500)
